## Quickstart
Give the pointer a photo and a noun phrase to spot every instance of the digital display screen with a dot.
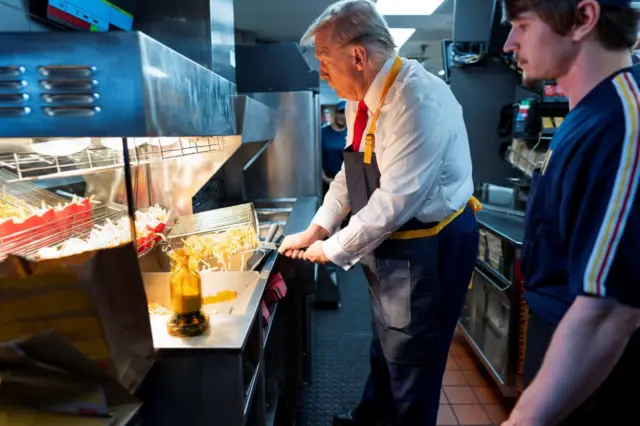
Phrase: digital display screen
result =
(93, 15)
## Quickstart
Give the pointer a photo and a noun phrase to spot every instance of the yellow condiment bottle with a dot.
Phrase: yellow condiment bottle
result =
(186, 296)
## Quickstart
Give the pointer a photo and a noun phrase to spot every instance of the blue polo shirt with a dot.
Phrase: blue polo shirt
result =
(333, 144)
(582, 227)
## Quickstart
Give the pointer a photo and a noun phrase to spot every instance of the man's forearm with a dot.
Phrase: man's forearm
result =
(585, 347)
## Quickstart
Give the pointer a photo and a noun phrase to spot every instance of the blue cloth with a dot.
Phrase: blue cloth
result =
(404, 382)
(582, 227)
(333, 143)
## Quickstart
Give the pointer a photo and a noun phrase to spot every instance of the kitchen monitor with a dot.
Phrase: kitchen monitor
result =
(92, 15)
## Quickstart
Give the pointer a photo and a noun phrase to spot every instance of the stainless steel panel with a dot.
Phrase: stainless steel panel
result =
(222, 33)
(154, 92)
(290, 167)
(255, 121)
(202, 30)
(171, 183)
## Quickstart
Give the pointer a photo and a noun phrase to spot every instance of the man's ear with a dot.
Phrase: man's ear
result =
(359, 55)
(588, 16)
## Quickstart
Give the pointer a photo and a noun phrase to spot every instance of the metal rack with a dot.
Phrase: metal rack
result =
(524, 159)
(155, 93)
(215, 221)
(25, 194)
(31, 166)
(27, 243)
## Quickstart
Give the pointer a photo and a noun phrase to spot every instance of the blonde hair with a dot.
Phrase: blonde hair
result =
(355, 22)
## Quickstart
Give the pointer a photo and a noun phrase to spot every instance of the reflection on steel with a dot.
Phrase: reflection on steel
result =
(30, 163)
(170, 183)
(108, 84)
(290, 166)
(255, 121)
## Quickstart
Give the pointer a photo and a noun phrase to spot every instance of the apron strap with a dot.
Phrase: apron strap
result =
(473, 203)
(370, 139)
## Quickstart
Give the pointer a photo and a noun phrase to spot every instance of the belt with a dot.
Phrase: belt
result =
(435, 230)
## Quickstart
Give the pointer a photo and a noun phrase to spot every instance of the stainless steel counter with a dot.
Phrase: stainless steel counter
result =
(508, 224)
(492, 313)
(220, 377)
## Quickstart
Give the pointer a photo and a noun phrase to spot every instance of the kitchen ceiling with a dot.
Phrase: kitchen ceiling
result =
(286, 21)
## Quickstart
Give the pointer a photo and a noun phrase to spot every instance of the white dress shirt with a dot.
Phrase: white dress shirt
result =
(422, 150)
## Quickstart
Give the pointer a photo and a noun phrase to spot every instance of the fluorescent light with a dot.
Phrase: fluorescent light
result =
(408, 7)
(441, 73)
(401, 35)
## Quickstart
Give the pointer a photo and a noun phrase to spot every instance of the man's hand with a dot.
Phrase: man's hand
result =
(315, 253)
(518, 419)
(294, 245)
(585, 347)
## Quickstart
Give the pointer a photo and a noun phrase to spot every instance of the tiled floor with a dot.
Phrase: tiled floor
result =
(469, 396)
(340, 363)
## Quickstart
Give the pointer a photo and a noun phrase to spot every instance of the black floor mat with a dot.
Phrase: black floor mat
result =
(340, 359)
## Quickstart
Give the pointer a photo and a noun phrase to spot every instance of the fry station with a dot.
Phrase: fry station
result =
(107, 169)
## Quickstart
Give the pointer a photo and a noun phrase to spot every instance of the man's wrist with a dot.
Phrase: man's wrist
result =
(317, 231)
(529, 411)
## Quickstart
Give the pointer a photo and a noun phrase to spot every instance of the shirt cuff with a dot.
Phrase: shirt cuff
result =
(326, 219)
(339, 256)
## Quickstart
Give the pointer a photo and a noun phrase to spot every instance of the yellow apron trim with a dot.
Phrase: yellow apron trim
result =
(369, 148)
(425, 233)
(370, 139)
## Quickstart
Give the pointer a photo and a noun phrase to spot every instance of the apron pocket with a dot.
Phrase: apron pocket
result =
(394, 277)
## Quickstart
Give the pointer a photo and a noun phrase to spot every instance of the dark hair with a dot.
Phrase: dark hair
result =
(616, 28)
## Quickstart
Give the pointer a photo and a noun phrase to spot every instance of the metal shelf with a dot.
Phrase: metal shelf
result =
(33, 166)
(28, 243)
(26, 195)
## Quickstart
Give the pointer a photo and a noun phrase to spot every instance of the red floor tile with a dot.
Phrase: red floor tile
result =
(460, 395)
(471, 415)
(464, 362)
(452, 364)
(486, 394)
(453, 378)
(497, 413)
(446, 416)
(457, 348)
(469, 396)
(474, 378)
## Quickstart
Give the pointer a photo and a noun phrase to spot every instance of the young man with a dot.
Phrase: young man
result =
(581, 255)
(406, 179)
(334, 138)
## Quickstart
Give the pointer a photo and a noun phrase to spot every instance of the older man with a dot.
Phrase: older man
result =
(406, 178)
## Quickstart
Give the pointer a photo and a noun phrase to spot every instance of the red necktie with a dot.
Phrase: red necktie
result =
(362, 117)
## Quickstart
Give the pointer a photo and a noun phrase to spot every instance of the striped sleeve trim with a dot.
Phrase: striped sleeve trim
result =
(624, 191)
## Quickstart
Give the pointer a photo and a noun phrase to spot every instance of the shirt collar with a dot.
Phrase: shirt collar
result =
(372, 97)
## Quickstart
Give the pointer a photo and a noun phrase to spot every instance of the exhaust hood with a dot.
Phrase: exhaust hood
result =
(110, 85)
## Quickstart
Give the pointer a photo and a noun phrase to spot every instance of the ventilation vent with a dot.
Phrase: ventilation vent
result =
(13, 97)
(69, 90)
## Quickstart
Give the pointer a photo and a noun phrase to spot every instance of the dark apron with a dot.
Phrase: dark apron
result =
(417, 289)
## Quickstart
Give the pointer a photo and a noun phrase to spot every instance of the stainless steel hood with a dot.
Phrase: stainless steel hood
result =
(256, 122)
(109, 84)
